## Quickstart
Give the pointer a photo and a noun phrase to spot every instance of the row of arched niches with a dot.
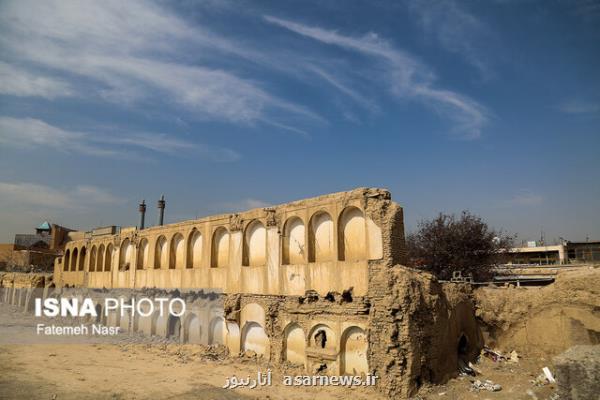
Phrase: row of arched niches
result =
(351, 238)
(339, 346)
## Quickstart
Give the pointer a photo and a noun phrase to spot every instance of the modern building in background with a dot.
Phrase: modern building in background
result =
(560, 254)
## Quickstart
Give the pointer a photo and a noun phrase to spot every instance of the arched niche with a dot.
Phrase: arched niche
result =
(108, 257)
(125, 254)
(74, 259)
(321, 237)
(295, 344)
(194, 249)
(67, 260)
(255, 244)
(177, 251)
(192, 330)
(352, 244)
(322, 337)
(354, 348)
(294, 242)
(160, 253)
(81, 260)
(100, 260)
(216, 333)
(93, 253)
(220, 248)
(143, 254)
(254, 338)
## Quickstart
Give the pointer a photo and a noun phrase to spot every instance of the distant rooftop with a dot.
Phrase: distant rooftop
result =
(44, 226)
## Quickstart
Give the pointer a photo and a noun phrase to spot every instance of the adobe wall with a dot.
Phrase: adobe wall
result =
(315, 283)
(543, 321)
(327, 243)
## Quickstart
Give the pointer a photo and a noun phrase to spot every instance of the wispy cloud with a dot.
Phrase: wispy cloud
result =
(406, 76)
(33, 194)
(578, 106)
(457, 30)
(133, 53)
(344, 88)
(34, 133)
(18, 82)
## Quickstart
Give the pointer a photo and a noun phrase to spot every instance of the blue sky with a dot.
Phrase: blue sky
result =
(488, 106)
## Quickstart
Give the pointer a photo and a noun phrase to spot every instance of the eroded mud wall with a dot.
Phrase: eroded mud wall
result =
(543, 320)
(416, 325)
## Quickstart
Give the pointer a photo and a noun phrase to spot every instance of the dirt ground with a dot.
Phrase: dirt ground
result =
(155, 369)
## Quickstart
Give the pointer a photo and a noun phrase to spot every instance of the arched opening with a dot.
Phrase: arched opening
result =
(124, 321)
(462, 349)
(194, 249)
(220, 248)
(295, 344)
(100, 260)
(217, 331)
(147, 323)
(160, 253)
(93, 259)
(98, 313)
(233, 337)
(108, 257)
(74, 260)
(125, 255)
(67, 260)
(174, 327)
(192, 331)
(320, 238)
(354, 352)
(254, 338)
(81, 262)
(255, 245)
(294, 242)
(143, 253)
(352, 244)
(177, 251)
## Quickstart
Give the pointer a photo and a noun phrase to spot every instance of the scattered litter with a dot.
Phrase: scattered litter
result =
(477, 372)
(540, 380)
(465, 369)
(514, 356)
(493, 354)
(544, 378)
(548, 375)
(485, 385)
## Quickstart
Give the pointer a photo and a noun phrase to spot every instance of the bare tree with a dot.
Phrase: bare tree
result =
(448, 243)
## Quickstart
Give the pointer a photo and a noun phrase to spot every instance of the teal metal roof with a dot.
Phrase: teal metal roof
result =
(44, 226)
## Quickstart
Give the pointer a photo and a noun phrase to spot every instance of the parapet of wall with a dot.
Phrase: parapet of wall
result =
(543, 320)
(328, 243)
(24, 280)
(418, 329)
